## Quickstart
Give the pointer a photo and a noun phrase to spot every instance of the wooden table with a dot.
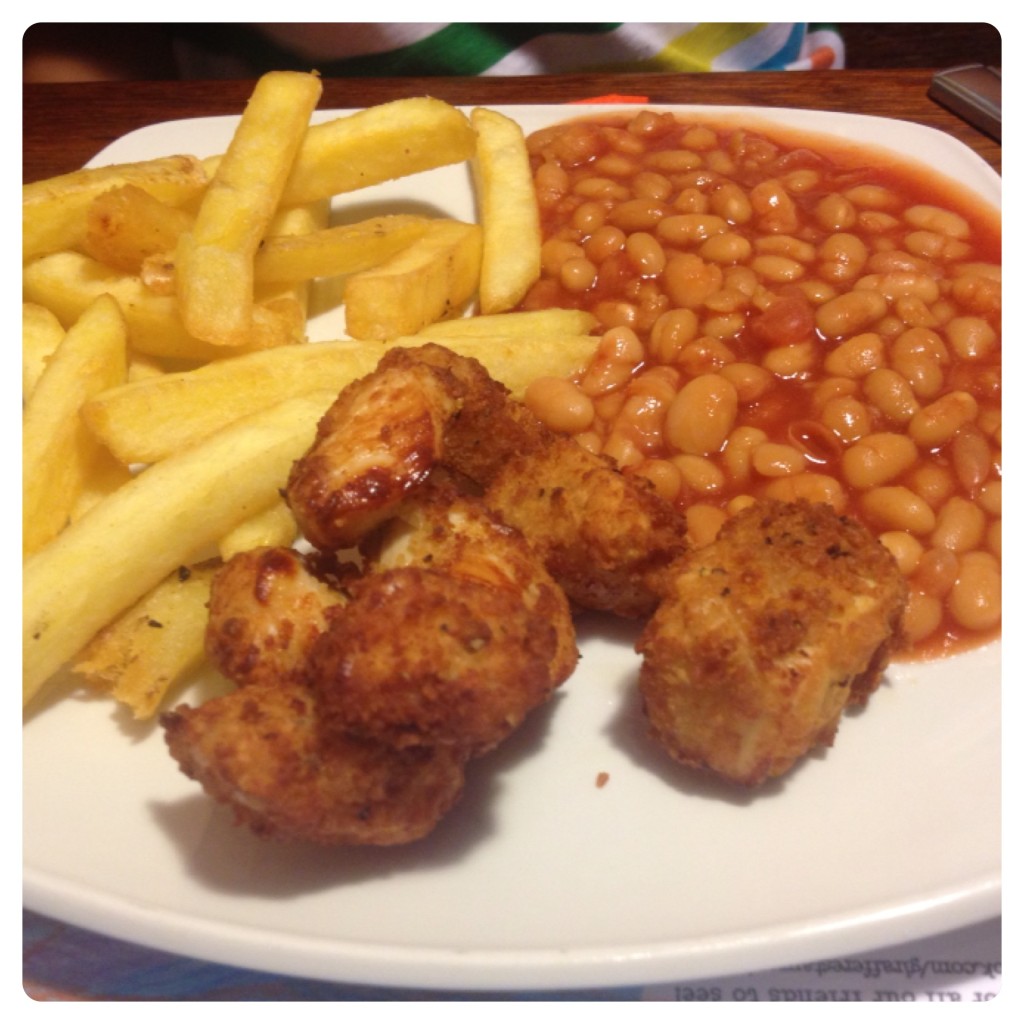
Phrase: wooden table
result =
(64, 125)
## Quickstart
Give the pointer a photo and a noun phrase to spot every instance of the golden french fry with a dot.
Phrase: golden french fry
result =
(430, 280)
(68, 282)
(106, 474)
(53, 211)
(280, 319)
(307, 219)
(147, 420)
(41, 333)
(125, 226)
(150, 419)
(274, 527)
(58, 450)
(303, 219)
(517, 360)
(528, 323)
(157, 269)
(381, 143)
(152, 645)
(142, 366)
(508, 211)
(168, 515)
(214, 260)
(344, 249)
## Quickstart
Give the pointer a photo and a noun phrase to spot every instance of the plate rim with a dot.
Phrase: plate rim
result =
(518, 970)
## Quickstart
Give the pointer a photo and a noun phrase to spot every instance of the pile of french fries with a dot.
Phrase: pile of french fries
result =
(167, 378)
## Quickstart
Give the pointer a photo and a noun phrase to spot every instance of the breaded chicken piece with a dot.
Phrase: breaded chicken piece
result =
(463, 537)
(489, 427)
(605, 537)
(602, 535)
(378, 441)
(425, 658)
(454, 634)
(364, 692)
(266, 609)
(765, 636)
(261, 751)
(387, 431)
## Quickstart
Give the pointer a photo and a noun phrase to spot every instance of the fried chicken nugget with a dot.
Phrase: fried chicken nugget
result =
(423, 658)
(489, 426)
(455, 633)
(387, 431)
(602, 535)
(463, 537)
(266, 609)
(765, 636)
(605, 537)
(378, 441)
(261, 751)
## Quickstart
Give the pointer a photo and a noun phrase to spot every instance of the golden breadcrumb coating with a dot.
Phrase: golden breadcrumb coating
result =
(453, 635)
(605, 537)
(379, 439)
(261, 751)
(765, 636)
(463, 537)
(488, 426)
(424, 658)
(266, 609)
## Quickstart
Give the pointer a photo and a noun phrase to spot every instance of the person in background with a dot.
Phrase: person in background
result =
(352, 49)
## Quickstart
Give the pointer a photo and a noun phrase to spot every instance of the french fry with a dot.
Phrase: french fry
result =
(508, 211)
(41, 333)
(517, 360)
(279, 319)
(53, 211)
(344, 249)
(301, 224)
(528, 323)
(126, 225)
(304, 220)
(142, 366)
(274, 527)
(430, 280)
(157, 642)
(214, 260)
(58, 450)
(168, 515)
(147, 420)
(383, 142)
(105, 475)
(68, 282)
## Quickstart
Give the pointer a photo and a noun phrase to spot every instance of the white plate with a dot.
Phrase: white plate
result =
(539, 878)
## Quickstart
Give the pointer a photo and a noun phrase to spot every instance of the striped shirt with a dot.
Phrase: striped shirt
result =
(379, 49)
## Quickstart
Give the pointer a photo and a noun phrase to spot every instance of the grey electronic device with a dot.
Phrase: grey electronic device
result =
(973, 92)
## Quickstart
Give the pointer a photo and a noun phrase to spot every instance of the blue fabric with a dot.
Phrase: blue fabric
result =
(789, 52)
(62, 962)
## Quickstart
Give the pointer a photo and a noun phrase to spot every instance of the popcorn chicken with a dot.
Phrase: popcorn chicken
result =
(765, 636)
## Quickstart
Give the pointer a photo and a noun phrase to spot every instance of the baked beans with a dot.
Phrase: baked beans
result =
(779, 322)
